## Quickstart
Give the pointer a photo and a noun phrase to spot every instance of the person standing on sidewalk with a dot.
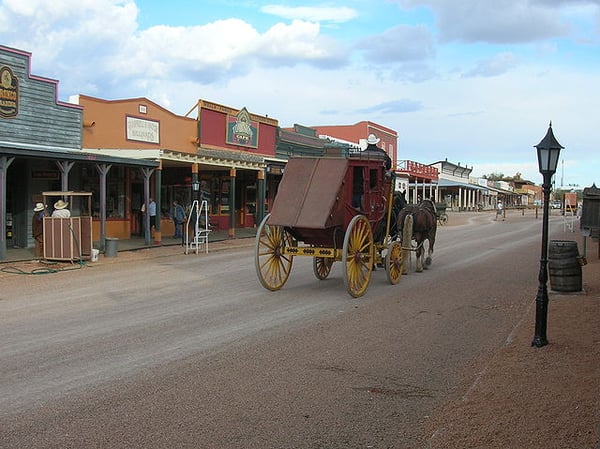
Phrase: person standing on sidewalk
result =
(151, 214)
(37, 228)
(500, 210)
(178, 217)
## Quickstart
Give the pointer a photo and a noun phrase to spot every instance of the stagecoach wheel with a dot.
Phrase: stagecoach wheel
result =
(358, 256)
(394, 262)
(443, 219)
(272, 265)
(322, 267)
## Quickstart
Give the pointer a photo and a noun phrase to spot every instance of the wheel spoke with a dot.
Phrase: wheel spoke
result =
(358, 256)
(394, 262)
(322, 267)
(272, 265)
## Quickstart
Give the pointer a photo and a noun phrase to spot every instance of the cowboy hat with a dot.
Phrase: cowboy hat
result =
(60, 204)
(38, 207)
(372, 140)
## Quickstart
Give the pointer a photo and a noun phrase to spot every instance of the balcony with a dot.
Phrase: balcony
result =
(417, 170)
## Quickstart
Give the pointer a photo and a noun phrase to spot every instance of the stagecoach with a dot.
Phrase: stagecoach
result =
(440, 210)
(333, 209)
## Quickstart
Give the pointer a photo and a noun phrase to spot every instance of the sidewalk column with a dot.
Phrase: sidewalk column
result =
(102, 173)
(147, 172)
(4, 164)
(260, 196)
(232, 211)
(64, 167)
(157, 200)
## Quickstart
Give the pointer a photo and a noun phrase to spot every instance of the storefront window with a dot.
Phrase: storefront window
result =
(251, 199)
(206, 195)
(115, 193)
(225, 196)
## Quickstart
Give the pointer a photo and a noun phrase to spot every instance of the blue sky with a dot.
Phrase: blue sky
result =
(473, 81)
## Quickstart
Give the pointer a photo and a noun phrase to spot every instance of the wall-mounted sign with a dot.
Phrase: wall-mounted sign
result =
(275, 169)
(45, 174)
(143, 130)
(9, 93)
(241, 130)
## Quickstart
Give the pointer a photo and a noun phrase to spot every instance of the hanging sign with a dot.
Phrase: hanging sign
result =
(9, 93)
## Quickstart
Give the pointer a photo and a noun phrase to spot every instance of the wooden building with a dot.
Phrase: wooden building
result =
(40, 150)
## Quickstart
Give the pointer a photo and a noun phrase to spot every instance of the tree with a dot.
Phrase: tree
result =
(494, 176)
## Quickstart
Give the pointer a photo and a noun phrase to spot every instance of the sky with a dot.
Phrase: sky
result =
(476, 82)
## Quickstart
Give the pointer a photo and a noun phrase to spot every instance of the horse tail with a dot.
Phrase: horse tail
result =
(407, 230)
(407, 233)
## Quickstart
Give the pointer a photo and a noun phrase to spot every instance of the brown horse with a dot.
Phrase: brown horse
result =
(423, 220)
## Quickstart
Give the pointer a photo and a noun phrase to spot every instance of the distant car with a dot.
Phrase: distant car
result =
(556, 205)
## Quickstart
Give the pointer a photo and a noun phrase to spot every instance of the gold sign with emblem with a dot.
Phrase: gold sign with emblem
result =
(9, 93)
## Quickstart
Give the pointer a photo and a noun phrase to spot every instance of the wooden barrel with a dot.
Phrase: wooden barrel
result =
(564, 268)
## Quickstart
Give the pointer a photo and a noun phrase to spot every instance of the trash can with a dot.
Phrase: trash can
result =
(111, 247)
(564, 266)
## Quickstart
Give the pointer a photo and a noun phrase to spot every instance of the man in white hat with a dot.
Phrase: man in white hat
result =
(37, 228)
(500, 210)
(60, 210)
(372, 147)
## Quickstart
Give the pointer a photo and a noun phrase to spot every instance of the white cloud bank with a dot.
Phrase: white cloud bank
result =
(475, 82)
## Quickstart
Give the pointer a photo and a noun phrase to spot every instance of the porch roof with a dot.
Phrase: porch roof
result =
(74, 155)
(451, 183)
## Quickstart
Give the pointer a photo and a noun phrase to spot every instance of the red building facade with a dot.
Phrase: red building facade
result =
(358, 133)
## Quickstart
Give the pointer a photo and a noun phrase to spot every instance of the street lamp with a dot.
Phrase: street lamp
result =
(548, 151)
(195, 186)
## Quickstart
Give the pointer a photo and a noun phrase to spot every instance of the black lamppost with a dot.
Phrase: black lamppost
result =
(548, 151)
(195, 196)
(195, 188)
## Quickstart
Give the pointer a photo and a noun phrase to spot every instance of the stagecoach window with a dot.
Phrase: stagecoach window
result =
(358, 180)
(357, 186)
(373, 178)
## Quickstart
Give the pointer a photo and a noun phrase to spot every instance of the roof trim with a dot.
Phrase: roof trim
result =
(216, 158)
(80, 156)
(219, 158)
(442, 182)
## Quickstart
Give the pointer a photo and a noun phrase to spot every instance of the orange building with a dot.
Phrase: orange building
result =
(220, 156)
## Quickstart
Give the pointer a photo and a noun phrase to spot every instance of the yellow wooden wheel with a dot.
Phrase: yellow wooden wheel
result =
(394, 262)
(358, 256)
(322, 267)
(272, 265)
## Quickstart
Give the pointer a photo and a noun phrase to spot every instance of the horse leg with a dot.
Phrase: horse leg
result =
(419, 256)
(429, 254)
(431, 242)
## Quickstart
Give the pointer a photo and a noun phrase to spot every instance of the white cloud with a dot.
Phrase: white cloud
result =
(499, 21)
(494, 66)
(399, 44)
(312, 13)
(299, 42)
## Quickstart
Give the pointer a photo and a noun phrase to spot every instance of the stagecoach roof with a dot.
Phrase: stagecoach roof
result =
(308, 193)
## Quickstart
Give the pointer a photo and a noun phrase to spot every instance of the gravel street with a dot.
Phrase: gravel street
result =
(189, 351)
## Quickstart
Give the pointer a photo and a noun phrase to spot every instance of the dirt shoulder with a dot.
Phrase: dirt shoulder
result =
(528, 397)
